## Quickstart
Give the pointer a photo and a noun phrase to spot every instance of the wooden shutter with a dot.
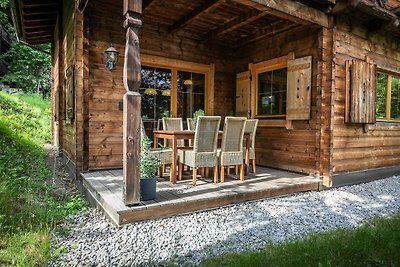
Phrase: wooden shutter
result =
(298, 100)
(243, 93)
(360, 91)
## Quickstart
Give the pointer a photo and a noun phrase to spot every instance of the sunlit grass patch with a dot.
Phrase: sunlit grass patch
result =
(375, 244)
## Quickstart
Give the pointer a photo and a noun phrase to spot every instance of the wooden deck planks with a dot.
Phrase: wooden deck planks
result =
(173, 199)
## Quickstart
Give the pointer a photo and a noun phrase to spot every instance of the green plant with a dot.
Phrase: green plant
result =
(374, 244)
(197, 114)
(28, 209)
(148, 162)
(165, 114)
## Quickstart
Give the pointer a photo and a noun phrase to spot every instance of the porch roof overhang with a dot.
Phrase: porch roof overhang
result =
(34, 20)
(235, 23)
(231, 23)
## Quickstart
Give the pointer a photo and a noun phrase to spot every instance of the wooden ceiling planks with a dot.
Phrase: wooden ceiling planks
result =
(225, 22)
(39, 19)
(205, 7)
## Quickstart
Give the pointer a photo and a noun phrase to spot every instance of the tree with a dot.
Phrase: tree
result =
(3, 16)
(29, 68)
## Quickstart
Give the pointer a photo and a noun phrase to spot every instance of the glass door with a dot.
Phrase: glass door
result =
(191, 93)
(155, 90)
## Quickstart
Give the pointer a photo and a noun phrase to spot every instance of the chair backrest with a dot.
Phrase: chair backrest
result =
(142, 130)
(206, 135)
(159, 124)
(190, 127)
(232, 138)
(251, 127)
(190, 124)
(173, 124)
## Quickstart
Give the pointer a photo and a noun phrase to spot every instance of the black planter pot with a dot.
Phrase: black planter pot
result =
(148, 188)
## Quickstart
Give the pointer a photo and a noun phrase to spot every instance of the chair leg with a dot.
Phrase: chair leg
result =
(253, 162)
(164, 167)
(194, 175)
(180, 169)
(215, 174)
(222, 174)
(228, 170)
(160, 172)
(207, 172)
(202, 171)
(236, 169)
(242, 172)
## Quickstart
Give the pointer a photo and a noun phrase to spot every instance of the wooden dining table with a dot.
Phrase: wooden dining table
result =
(174, 136)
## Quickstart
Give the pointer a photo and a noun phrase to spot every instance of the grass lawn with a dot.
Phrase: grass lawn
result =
(375, 244)
(28, 211)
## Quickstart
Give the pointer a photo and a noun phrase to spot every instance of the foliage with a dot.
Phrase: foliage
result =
(197, 114)
(148, 162)
(29, 69)
(381, 96)
(3, 16)
(28, 210)
(375, 244)
(381, 84)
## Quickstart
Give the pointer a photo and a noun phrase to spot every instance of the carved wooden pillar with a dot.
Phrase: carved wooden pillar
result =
(132, 104)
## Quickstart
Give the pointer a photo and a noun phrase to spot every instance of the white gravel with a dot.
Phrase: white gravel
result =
(188, 239)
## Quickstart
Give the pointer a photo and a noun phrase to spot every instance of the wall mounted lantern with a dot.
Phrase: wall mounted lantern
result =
(112, 56)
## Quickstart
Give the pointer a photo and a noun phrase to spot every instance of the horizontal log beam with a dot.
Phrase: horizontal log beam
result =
(270, 31)
(289, 10)
(207, 6)
(235, 24)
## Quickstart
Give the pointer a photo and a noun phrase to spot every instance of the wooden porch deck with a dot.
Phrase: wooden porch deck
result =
(104, 190)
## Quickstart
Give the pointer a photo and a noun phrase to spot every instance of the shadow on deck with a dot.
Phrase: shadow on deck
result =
(104, 190)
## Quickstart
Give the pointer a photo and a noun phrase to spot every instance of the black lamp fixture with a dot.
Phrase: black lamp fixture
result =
(112, 57)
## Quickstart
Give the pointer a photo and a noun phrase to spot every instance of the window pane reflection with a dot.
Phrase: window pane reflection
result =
(155, 90)
(191, 90)
(271, 98)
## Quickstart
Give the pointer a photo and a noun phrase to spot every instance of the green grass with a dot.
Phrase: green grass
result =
(28, 211)
(376, 244)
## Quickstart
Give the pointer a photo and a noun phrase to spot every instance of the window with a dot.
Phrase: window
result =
(271, 93)
(387, 97)
(191, 91)
(170, 90)
(156, 93)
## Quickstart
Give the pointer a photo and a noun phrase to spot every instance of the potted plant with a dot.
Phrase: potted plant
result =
(196, 115)
(149, 165)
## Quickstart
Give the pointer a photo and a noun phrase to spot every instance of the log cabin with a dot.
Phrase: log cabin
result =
(5, 44)
(322, 77)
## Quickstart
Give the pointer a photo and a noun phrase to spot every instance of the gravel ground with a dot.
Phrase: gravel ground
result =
(188, 239)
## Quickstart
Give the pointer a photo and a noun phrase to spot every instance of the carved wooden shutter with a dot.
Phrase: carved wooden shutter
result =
(243, 93)
(360, 91)
(298, 100)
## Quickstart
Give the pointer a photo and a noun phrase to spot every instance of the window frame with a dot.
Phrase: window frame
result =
(179, 65)
(256, 69)
(388, 96)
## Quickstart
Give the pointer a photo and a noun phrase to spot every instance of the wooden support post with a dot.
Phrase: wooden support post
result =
(131, 148)
(132, 104)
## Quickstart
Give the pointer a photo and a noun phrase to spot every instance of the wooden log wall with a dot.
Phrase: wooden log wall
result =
(354, 148)
(67, 45)
(297, 149)
(55, 90)
(106, 88)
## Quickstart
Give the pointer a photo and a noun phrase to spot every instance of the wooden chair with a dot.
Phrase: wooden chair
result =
(190, 124)
(190, 127)
(173, 124)
(159, 124)
(204, 152)
(164, 155)
(251, 127)
(231, 152)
